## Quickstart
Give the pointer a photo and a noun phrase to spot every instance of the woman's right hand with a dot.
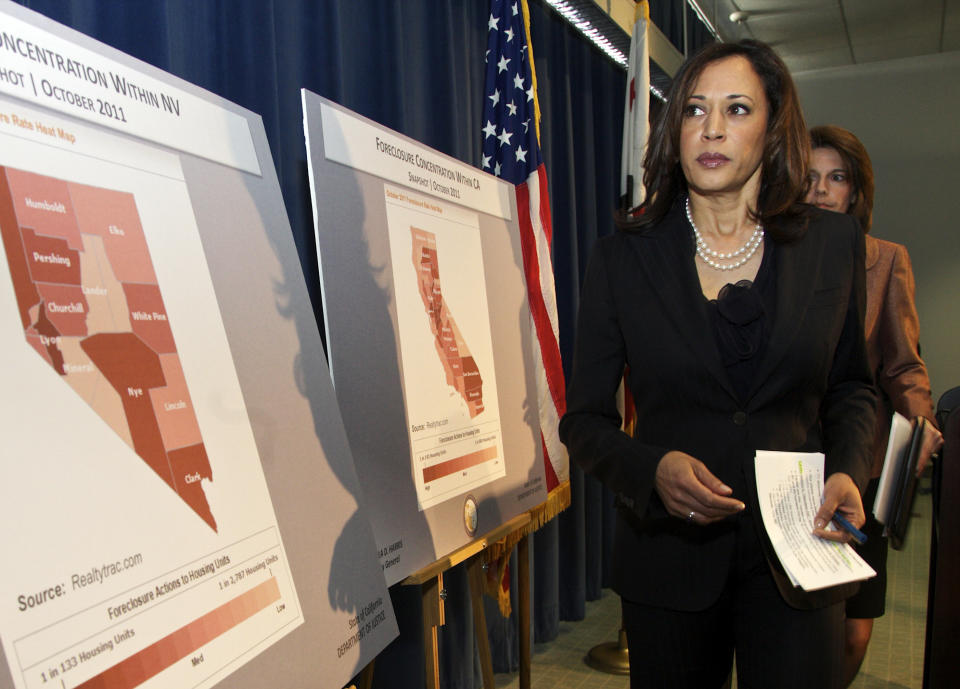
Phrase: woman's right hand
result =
(690, 492)
(932, 442)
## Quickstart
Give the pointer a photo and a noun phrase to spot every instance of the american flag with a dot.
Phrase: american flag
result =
(511, 150)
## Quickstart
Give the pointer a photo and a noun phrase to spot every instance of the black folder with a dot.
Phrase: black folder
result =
(905, 486)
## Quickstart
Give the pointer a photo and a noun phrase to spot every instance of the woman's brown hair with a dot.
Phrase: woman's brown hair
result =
(856, 160)
(785, 152)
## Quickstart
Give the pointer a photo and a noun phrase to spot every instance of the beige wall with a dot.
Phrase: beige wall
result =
(621, 11)
(907, 113)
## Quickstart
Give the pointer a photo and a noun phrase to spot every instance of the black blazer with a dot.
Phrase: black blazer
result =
(642, 306)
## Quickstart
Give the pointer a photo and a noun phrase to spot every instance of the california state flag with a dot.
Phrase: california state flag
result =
(636, 109)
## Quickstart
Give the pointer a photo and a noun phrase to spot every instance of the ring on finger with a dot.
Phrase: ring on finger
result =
(691, 516)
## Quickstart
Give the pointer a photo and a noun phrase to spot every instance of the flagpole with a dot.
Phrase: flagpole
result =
(614, 656)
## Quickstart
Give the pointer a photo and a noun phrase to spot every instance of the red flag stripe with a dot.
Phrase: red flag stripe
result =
(550, 350)
(545, 217)
(549, 472)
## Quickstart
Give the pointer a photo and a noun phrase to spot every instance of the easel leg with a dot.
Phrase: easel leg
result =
(523, 601)
(476, 576)
(433, 617)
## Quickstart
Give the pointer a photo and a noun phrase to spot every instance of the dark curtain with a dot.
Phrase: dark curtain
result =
(668, 16)
(415, 66)
(697, 33)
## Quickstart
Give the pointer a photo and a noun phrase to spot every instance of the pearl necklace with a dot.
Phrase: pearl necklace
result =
(709, 256)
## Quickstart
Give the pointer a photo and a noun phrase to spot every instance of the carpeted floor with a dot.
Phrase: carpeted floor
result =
(894, 659)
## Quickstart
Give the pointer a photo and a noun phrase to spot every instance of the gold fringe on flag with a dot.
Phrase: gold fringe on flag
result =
(496, 556)
(557, 501)
(641, 10)
(533, 69)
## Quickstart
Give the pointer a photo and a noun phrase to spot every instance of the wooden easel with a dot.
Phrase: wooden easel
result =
(430, 581)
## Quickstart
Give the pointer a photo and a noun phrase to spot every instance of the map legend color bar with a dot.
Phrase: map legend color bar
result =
(452, 466)
(157, 657)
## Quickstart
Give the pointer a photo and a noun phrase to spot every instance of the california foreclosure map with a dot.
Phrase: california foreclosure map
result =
(90, 306)
(459, 365)
(443, 328)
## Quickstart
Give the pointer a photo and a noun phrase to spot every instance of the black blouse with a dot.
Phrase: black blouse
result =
(741, 318)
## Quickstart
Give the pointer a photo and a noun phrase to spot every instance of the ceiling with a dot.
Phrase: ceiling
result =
(817, 34)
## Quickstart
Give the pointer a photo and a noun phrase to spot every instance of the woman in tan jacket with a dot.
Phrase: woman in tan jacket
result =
(841, 180)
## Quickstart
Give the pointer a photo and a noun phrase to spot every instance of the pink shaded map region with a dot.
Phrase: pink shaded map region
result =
(113, 216)
(66, 307)
(173, 408)
(148, 316)
(91, 308)
(51, 259)
(44, 202)
(459, 366)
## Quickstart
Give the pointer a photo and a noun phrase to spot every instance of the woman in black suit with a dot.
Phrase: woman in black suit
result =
(740, 316)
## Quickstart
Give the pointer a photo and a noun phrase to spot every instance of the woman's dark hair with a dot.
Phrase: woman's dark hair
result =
(785, 152)
(857, 163)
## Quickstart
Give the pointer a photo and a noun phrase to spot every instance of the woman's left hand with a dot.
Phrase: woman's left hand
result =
(840, 494)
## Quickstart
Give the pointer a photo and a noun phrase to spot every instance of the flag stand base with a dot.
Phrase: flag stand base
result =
(611, 656)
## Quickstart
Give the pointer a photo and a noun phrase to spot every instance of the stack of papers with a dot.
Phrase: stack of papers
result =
(790, 488)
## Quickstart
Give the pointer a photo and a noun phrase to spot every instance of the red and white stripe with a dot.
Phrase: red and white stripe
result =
(536, 236)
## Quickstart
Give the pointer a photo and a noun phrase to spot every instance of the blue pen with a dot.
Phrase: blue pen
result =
(857, 534)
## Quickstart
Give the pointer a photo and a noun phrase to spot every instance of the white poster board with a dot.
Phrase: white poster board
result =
(427, 326)
(178, 493)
